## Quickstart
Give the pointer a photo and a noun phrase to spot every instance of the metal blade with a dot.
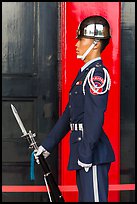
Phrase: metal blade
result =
(18, 120)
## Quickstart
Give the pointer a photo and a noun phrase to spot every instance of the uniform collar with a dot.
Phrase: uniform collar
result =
(89, 62)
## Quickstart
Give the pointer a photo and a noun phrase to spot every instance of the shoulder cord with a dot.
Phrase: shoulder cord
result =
(92, 84)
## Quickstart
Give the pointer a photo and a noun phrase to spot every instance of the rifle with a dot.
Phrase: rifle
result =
(52, 187)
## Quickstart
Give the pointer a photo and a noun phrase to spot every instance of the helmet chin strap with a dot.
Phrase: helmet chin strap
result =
(82, 57)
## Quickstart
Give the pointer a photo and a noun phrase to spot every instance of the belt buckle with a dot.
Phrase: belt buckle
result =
(76, 126)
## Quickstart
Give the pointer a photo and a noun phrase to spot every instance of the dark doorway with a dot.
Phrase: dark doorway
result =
(30, 82)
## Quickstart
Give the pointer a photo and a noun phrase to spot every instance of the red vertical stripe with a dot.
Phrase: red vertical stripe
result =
(71, 14)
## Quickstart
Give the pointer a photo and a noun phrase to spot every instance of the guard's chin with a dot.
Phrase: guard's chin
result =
(79, 56)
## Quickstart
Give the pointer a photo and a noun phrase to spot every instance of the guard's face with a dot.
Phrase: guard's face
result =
(82, 45)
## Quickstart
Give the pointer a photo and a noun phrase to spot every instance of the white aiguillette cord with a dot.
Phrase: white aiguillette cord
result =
(92, 85)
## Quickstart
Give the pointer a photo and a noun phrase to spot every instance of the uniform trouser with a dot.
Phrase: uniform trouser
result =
(93, 185)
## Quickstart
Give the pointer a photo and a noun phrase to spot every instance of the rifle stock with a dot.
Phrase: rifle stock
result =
(54, 189)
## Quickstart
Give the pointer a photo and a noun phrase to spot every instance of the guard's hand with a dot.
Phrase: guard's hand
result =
(40, 150)
(85, 166)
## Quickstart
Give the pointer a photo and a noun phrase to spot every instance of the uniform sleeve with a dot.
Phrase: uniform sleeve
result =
(94, 108)
(60, 129)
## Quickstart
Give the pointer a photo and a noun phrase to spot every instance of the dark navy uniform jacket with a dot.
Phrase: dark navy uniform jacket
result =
(93, 146)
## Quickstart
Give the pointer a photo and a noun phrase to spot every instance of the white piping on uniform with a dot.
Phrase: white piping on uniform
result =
(95, 184)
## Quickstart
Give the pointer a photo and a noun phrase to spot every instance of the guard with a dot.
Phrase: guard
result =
(91, 153)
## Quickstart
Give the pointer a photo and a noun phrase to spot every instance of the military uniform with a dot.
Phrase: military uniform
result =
(91, 153)
(84, 116)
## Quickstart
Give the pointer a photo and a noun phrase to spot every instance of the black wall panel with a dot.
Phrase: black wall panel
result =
(30, 83)
(127, 148)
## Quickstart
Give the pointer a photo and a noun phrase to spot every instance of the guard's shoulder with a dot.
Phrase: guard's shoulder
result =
(98, 65)
(100, 69)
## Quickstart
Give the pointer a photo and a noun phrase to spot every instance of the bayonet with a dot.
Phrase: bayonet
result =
(29, 136)
(18, 120)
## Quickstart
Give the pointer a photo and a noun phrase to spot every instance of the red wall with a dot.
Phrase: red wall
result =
(71, 14)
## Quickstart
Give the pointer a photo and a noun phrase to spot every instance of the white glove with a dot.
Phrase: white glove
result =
(40, 150)
(86, 166)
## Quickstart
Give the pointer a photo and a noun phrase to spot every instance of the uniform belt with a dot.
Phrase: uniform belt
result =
(76, 126)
